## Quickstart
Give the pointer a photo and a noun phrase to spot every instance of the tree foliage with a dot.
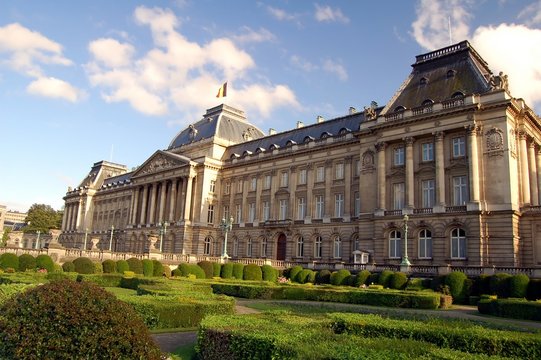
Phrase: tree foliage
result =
(42, 218)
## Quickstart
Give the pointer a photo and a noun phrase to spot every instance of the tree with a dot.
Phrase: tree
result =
(43, 218)
(5, 237)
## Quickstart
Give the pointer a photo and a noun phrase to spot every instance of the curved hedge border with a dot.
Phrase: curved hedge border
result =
(511, 308)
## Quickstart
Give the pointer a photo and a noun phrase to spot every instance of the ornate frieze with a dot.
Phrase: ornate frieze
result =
(494, 142)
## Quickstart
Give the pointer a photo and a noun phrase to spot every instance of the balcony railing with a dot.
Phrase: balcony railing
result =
(455, 209)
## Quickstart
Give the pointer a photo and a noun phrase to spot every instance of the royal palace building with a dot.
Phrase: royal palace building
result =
(447, 168)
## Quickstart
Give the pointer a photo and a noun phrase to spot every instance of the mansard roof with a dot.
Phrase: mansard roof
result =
(223, 122)
(441, 75)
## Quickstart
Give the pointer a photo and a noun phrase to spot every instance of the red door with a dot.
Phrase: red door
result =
(281, 248)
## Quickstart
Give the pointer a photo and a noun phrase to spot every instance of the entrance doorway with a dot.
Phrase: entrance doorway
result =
(281, 247)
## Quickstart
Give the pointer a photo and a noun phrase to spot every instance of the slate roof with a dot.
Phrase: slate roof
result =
(119, 179)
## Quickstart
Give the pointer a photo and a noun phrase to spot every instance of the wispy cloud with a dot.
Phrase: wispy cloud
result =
(281, 14)
(336, 69)
(249, 35)
(327, 65)
(531, 14)
(328, 14)
(302, 64)
(54, 88)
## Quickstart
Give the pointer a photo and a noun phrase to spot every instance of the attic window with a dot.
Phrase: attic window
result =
(325, 135)
(458, 95)
(259, 150)
(423, 81)
(427, 102)
(399, 108)
(274, 146)
(307, 139)
(451, 74)
(234, 156)
(246, 153)
(291, 143)
(344, 131)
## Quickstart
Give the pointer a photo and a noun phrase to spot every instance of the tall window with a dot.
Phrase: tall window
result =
(249, 247)
(428, 193)
(300, 246)
(253, 184)
(398, 196)
(283, 209)
(394, 244)
(425, 244)
(460, 190)
(284, 179)
(227, 188)
(337, 248)
(318, 247)
(428, 151)
(338, 205)
(238, 213)
(339, 171)
(357, 167)
(212, 186)
(239, 185)
(399, 156)
(226, 212)
(210, 214)
(264, 248)
(251, 212)
(265, 210)
(458, 244)
(357, 204)
(356, 243)
(302, 177)
(235, 246)
(207, 245)
(301, 208)
(320, 206)
(267, 182)
(459, 146)
(320, 174)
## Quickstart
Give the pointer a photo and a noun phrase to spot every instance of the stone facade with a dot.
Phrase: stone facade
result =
(452, 150)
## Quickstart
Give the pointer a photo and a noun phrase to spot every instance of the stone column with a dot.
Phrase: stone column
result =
(135, 206)
(153, 198)
(440, 169)
(258, 189)
(473, 163)
(143, 220)
(173, 201)
(525, 177)
(79, 215)
(347, 187)
(310, 178)
(538, 175)
(380, 148)
(292, 187)
(274, 186)
(188, 199)
(65, 218)
(162, 201)
(410, 194)
(533, 176)
(329, 200)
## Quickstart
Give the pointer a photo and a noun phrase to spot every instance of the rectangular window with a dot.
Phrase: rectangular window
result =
(428, 193)
(357, 205)
(239, 186)
(301, 208)
(399, 156)
(238, 213)
(320, 206)
(302, 177)
(318, 247)
(460, 190)
(212, 186)
(338, 205)
(357, 167)
(210, 214)
(283, 209)
(320, 174)
(251, 212)
(398, 196)
(394, 245)
(284, 179)
(428, 152)
(249, 248)
(459, 147)
(227, 188)
(267, 182)
(253, 184)
(266, 210)
(339, 171)
(226, 212)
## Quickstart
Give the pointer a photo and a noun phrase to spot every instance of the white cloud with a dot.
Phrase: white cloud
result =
(335, 68)
(263, 99)
(302, 64)
(54, 88)
(252, 36)
(280, 14)
(111, 53)
(531, 14)
(328, 14)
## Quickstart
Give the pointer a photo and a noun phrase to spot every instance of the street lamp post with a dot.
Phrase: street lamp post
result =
(37, 240)
(405, 260)
(226, 226)
(111, 239)
(86, 234)
(163, 231)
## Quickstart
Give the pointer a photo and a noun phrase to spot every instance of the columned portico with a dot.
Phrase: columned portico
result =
(533, 175)
(380, 148)
(525, 177)
(410, 204)
(473, 162)
(440, 169)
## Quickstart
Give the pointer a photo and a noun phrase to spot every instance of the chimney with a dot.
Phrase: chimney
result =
(300, 124)
(320, 119)
(272, 131)
(352, 110)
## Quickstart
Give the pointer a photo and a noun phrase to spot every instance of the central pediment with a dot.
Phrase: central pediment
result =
(162, 161)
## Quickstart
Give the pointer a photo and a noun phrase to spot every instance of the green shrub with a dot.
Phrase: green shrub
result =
(373, 278)
(227, 271)
(437, 282)
(9, 260)
(135, 265)
(304, 276)
(68, 266)
(340, 277)
(184, 269)
(534, 289)
(252, 272)
(98, 268)
(518, 286)
(196, 270)
(481, 285)
(311, 277)
(36, 323)
(103, 280)
(45, 262)
(207, 268)
(499, 285)
(238, 271)
(511, 308)
(385, 278)
(269, 273)
(398, 281)
(294, 271)
(84, 265)
(109, 266)
(121, 266)
(158, 268)
(362, 278)
(216, 269)
(323, 277)
(148, 267)
(27, 262)
(456, 282)
(415, 284)
(176, 272)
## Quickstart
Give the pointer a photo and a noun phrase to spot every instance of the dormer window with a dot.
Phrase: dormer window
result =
(427, 102)
(451, 74)
(246, 153)
(325, 135)
(274, 146)
(399, 108)
(290, 143)
(308, 139)
(423, 81)
(344, 131)
(457, 95)
(259, 150)
(234, 156)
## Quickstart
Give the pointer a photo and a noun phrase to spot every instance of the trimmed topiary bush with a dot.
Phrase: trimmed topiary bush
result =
(135, 265)
(148, 267)
(121, 266)
(269, 273)
(84, 265)
(252, 272)
(216, 269)
(456, 282)
(184, 269)
(98, 268)
(323, 277)
(196, 270)
(499, 285)
(398, 281)
(227, 271)
(158, 268)
(45, 262)
(207, 268)
(385, 278)
(176, 272)
(109, 266)
(534, 289)
(68, 266)
(9, 260)
(362, 278)
(64, 318)
(238, 271)
(340, 277)
(27, 262)
(304, 276)
(518, 286)
(294, 271)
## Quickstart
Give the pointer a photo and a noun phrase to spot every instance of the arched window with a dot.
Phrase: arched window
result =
(249, 246)
(425, 244)
(207, 245)
(300, 246)
(307, 139)
(395, 244)
(356, 243)
(457, 95)
(264, 247)
(318, 247)
(458, 244)
(399, 108)
(235, 246)
(427, 102)
(337, 247)
(423, 81)
(451, 74)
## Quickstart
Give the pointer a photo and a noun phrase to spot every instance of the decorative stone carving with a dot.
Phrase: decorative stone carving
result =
(380, 146)
(438, 135)
(499, 81)
(370, 112)
(158, 163)
(513, 142)
(193, 132)
(494, 141)
(368, 160)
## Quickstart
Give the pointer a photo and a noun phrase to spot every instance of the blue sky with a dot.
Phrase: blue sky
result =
(84, 81)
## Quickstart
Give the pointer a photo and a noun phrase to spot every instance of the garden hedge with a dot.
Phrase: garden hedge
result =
(518, 286)
(252, 272)
(148, 267)
(45, 262)
(9, 260)
(207, 267)
(216, 269)
(27, 262)
(511, 308)
(238, 271)
(340, 277)
(135, 265)
(269, 273)
(121, 266)
(227, 271)
(158, 268)
(384, 278)
(109, 266)
(456, 281)
(84, 265)
(68, 266)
